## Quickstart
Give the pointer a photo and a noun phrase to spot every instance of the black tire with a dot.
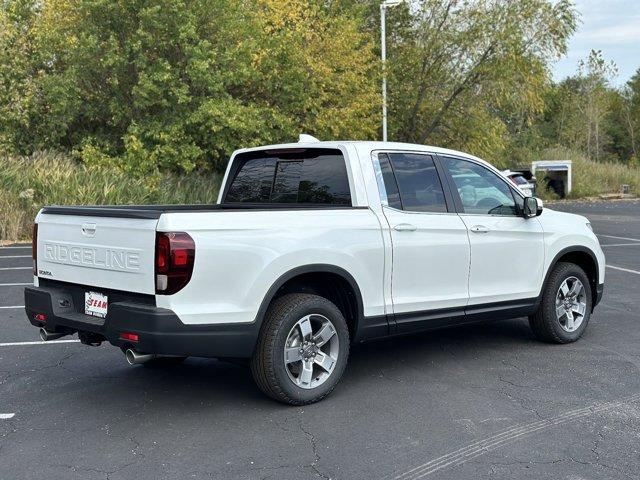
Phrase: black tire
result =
(544, 322)
(163, 362)
(267, 364)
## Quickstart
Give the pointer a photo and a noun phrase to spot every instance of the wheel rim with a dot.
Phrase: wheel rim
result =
(311, 351)
(571, 304)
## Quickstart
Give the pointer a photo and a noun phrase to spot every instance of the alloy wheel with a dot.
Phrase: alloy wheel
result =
(571, 304)
(311, 351)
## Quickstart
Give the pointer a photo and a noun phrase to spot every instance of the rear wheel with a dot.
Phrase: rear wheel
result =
(302, 350)
(565, 309)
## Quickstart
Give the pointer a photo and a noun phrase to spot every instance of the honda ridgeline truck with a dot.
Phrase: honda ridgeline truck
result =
(310, 248)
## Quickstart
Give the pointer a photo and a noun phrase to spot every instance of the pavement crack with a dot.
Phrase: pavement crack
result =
(514, 366)
(314, 448)
(602, 465)
(513, 384)
(520, 400)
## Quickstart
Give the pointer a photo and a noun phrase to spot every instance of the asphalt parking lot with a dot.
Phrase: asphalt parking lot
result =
(470, 402)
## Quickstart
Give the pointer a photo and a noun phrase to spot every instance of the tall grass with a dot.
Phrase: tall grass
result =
(590, 179)
(28, 183)
(46, 178)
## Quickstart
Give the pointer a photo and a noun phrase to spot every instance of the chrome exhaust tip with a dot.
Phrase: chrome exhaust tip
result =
(135, 358)
(46, 335)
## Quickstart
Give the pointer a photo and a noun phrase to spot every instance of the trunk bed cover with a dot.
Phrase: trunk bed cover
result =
(155, 211)
(125, 211)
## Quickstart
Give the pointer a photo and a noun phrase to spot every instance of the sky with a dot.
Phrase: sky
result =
(612, 26)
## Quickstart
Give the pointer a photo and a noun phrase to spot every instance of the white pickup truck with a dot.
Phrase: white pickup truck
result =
(310, 248)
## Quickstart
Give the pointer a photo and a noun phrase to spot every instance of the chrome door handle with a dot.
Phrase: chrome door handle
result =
(405, 227)
(479, 229)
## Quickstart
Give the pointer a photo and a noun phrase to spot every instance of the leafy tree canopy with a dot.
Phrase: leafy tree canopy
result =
(179, 84)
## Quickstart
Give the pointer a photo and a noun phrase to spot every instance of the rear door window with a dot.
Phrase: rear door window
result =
(412, 182)
(298, 176)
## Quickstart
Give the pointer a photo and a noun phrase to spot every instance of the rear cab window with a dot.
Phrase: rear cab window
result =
(306, 176)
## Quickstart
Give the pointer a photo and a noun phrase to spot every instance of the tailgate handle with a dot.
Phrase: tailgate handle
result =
(88, 229)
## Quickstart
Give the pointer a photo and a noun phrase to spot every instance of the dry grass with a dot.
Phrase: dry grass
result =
(28, 183)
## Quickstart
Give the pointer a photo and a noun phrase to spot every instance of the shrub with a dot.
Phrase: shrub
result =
(47, 178)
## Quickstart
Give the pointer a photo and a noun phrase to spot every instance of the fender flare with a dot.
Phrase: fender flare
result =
(563, 252)
(311, 268)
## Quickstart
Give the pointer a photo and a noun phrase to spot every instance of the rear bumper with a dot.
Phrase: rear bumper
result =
(160, 330)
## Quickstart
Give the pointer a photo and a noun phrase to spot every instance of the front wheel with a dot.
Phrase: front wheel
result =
(565, 309)
(302, 350)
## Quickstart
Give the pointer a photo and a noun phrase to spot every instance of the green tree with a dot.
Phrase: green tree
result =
(179, 84)
(17, 53)
(594, 101)
(472, 74)
(581, 108)
(629, 116)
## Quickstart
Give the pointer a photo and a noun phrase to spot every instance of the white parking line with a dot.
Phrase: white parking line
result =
(15, 256)
(624, 269)
(15, 284)
(619, 244)
(17, 268)
(13, 306)
(619, 238)
(506, 437)
(6, 416)
(50, 342)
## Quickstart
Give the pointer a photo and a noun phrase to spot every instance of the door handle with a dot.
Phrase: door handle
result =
(405, 227)
(479, 229)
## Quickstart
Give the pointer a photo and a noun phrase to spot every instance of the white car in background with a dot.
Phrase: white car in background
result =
(525, 186)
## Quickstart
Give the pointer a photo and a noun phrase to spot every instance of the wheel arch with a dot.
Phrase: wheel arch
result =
(317, 279)
(586, 259)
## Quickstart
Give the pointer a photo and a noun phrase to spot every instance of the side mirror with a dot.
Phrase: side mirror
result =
(532, 207)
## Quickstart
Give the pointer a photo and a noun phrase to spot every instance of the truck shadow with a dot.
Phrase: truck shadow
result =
(205, 383)
(477, 338)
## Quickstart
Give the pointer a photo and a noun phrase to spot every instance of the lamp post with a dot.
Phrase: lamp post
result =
(383, 43)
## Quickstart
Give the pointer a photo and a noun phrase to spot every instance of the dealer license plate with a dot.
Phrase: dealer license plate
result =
(95, 304)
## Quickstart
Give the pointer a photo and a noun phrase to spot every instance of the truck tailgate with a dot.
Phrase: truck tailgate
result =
(99, 251)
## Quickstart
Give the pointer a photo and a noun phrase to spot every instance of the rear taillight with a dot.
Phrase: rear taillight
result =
(34, 249)
(175, 256)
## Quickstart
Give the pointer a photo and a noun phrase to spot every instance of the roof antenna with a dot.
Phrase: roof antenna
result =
(304, 138)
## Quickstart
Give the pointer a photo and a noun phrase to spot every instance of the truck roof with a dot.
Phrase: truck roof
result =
(362, 145)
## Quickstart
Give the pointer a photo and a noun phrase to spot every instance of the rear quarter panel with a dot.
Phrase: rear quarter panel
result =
(241, 254)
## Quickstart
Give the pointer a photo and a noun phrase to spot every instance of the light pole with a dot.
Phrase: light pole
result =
(383, 43)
